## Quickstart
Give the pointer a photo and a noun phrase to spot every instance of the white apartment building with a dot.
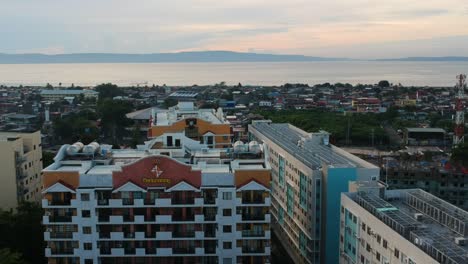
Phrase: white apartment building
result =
(188, 204)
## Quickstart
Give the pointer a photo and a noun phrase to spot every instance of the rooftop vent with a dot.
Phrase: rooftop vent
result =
(418, 216)
(461, 241)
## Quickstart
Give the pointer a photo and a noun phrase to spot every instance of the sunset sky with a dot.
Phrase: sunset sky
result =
(328, 28)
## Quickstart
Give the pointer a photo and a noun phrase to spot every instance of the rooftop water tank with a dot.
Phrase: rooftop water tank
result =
(239, 146)
(254, 147)
(75, 148)
(91, 148)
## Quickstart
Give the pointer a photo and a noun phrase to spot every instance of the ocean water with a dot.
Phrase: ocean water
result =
(248, 73)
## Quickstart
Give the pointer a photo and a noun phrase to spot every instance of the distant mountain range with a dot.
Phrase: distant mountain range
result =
(197, 56)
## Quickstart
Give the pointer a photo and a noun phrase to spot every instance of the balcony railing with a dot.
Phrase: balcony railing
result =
(104, 218)
(60, 202)
(184, 250)
(105, 251)
(253, 200)
(61, 251)
(150, 251)
(189, 200)
(103, 202)
(246, 249)
(127, 201)
(209, 217)
(61, 234)
(183, 218)
(253, 233)
(104, 235)
(149, 201)
(248, 217)
(210, 250)
(209, 200)
(210, 233)
(130, 251)
(183, 234)
(60, 218)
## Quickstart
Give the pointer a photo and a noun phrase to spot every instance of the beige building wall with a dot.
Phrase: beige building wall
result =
(20, 168)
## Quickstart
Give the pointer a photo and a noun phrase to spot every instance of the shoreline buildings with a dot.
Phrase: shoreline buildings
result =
(21, 164)
(308, 176)
(401, 226)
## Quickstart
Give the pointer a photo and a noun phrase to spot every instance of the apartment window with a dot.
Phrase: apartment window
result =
(88, 261)
(379, 238)
(369, 230)
(384, 244)
(88, 246)
(86, 230)
(377, 256)
(227, 229)
(85, 197)
(227, 196)
(227, 212)
(363, 227)
(86, 213)
(362, 258)
(396, 253)
(368, 248)
(227, 260)
(227, 245)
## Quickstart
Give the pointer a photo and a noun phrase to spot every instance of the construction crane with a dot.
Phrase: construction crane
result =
(459, 130)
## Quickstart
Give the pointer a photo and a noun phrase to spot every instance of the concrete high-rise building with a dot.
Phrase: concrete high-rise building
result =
(401, 226)
(308, 176)
(20, 165)
(157, 204)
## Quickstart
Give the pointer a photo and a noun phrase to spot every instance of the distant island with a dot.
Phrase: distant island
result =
(195, 56)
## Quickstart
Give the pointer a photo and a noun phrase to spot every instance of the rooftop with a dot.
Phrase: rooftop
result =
(434, 231)
(66, 92)
(185, 110)
(313, 149)
(425, 130)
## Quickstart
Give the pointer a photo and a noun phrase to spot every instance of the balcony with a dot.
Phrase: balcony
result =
(209, 200)
(188, 200)
(60, 218)
(150, 251)
(182, 218)
(103, 202)
(104, 235)
(105, 251)
(253, 233)
(61, 234)
(253, 217)
(184, 250)
(127, 201)
(183, 234)
(129, 251)
(253, 200)
(129, 235)
(246, 249)
(210, 250)
(103, 218)
(149, 202)
(62, 251)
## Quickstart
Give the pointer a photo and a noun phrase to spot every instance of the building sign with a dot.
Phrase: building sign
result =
(156, 171)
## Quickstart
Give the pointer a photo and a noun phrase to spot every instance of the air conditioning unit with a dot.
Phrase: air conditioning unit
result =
(461, 241)
(418, 216)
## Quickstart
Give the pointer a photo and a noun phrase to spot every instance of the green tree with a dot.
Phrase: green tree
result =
(9, 257)
(384, 84)
(47, 158)
(114, 119)
(22, 232)
(108, 90)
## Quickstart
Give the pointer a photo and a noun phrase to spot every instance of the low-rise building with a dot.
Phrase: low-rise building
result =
(58, 95)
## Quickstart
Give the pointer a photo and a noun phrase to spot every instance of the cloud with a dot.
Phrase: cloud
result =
(295, 26)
